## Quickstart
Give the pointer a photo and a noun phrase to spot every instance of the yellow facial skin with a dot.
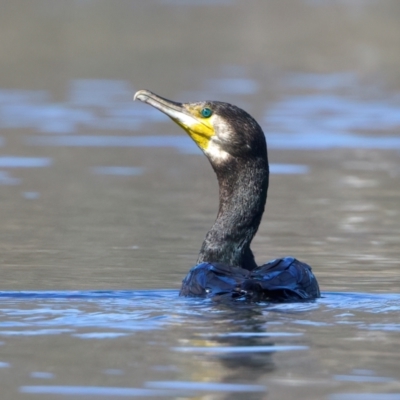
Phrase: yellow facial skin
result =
(188, 116)
(201, 131)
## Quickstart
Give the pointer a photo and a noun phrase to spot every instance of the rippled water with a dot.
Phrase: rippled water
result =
(105, 202)
(153, 343)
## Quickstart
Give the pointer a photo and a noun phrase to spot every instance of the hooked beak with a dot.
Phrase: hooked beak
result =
(176, 111)
(185, 115)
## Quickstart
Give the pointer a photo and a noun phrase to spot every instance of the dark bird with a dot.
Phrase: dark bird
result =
(236, 147)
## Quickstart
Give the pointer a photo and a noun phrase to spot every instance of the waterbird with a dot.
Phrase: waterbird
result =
(236, 147)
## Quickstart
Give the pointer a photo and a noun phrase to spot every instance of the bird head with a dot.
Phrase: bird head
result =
(221, 130)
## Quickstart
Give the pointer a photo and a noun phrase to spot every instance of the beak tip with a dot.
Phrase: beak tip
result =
(141, 95)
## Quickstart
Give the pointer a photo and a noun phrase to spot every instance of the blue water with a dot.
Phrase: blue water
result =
(191, 328)
(7, 179)
(110, 313)
(24, 162)
(121, 171)
(96, 189)
(95, 109)
(307, 141)
(320, 120)
(151, 343)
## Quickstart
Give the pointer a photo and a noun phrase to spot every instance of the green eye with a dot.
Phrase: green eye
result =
(206, 112)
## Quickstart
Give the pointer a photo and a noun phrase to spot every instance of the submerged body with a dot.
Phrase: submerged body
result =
(235, 145)
(284, 279)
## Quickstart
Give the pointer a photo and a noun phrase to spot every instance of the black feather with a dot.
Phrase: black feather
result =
(282, 280)
(226, 266)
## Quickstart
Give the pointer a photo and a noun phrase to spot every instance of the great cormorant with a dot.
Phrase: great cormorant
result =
(236, 147)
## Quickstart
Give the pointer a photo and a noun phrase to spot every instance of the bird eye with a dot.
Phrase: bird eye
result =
(206, 112)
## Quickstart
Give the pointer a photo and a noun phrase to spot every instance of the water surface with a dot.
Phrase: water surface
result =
(105, 202)
(131, 344)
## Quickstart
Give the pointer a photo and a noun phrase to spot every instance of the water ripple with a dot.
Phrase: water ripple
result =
(113, 314)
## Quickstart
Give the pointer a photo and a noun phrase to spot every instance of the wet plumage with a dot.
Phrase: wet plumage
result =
(235, 145)
(284, 279)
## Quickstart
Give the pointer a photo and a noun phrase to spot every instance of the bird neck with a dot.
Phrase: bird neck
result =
(243, 189)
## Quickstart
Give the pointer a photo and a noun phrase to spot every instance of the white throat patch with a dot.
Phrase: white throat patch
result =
(214, 151)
